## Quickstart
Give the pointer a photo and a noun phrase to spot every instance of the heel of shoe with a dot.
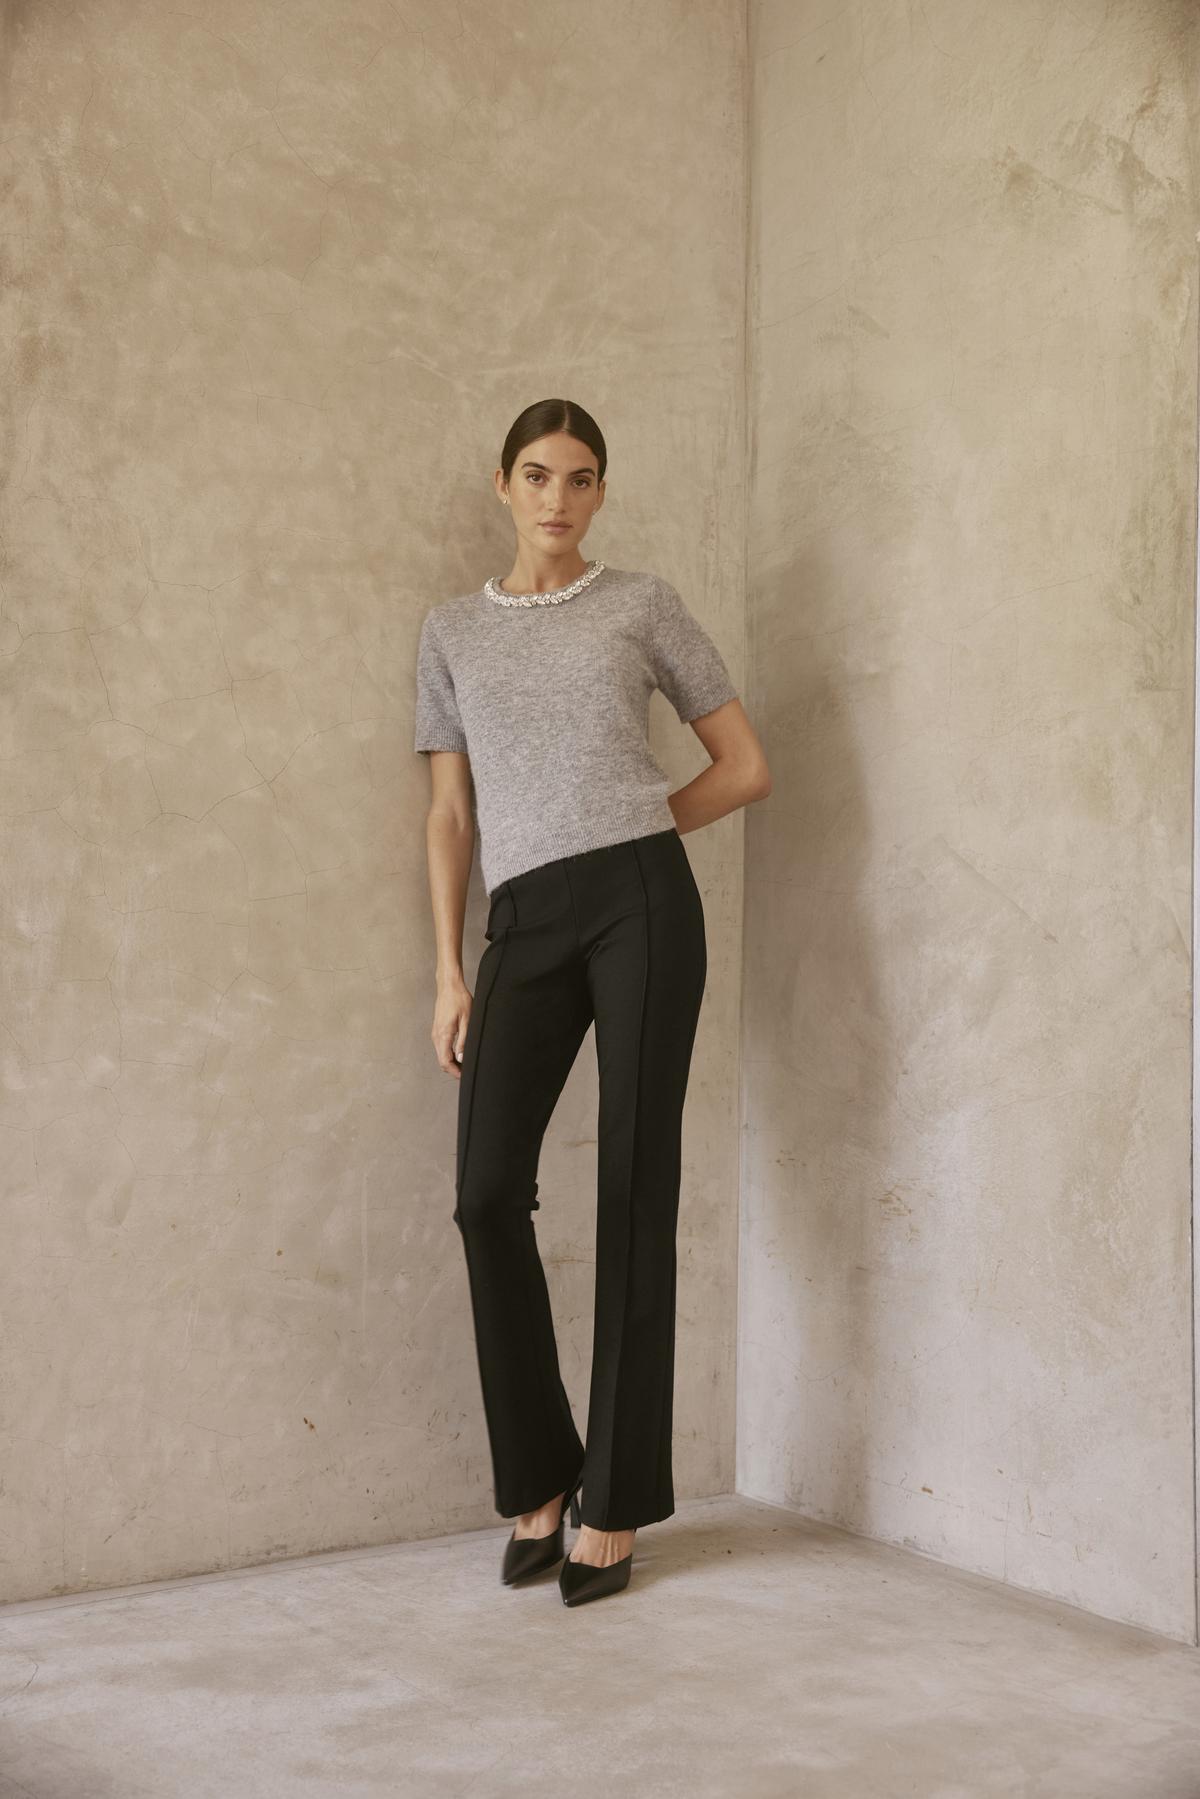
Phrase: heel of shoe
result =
(575, 1517)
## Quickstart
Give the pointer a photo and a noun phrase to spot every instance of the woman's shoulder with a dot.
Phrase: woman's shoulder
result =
(636, 577)
(447, 613)
(641, 587)
(645, 582)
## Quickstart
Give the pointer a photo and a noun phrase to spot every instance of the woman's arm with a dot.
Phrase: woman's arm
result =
(737, 775)
(449, 846)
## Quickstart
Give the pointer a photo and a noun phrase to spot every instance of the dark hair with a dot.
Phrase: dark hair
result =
(545, 416)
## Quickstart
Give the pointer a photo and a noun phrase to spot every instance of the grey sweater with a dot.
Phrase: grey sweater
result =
(551, 704)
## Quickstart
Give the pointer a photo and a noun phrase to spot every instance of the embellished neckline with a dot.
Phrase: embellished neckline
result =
(554, 597)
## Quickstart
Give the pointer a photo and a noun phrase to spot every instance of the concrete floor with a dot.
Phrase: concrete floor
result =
(753, 1653)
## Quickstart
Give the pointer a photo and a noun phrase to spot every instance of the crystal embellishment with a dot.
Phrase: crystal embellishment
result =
(554, 598)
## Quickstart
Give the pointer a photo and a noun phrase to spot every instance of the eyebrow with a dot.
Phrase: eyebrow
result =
(529, 463)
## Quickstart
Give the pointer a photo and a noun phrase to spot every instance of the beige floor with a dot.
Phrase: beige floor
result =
(752, 1653)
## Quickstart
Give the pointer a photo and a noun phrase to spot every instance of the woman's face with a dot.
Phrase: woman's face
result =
(554, 480)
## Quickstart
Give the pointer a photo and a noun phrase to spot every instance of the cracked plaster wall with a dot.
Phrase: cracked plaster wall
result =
(275, 282)
(965, 1293)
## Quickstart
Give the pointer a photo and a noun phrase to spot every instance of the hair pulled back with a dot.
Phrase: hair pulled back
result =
(545, 416)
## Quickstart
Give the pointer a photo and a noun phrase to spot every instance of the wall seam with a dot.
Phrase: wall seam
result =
(749, 676)
(1193, 45)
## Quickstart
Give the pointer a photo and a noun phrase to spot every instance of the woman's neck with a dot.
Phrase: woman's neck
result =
(544, 576)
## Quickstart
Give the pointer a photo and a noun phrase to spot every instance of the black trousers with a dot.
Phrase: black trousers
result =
(613, 936)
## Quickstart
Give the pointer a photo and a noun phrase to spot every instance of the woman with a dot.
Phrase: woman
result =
(532, 702)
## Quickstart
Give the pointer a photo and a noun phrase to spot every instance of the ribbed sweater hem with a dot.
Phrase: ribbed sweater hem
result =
(574, 840)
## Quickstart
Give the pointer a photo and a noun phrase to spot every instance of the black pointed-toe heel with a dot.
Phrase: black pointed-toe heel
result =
(580, 1581)
(529, 1555)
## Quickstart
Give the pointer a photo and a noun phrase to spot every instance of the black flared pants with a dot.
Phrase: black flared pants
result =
(613, 936)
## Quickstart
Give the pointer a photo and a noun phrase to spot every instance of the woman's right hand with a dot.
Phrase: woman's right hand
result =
(449, 1031)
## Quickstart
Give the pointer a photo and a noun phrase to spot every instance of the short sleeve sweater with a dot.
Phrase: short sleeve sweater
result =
(551, 704)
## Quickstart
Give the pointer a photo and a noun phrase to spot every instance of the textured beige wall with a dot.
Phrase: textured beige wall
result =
(965, 1272)
(274, 285)
(276, 280)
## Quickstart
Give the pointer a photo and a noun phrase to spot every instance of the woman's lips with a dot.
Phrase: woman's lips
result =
(554, 527)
